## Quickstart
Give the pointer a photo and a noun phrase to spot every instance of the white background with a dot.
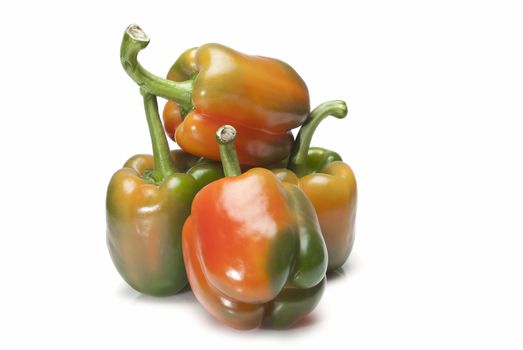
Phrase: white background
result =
(434, 134)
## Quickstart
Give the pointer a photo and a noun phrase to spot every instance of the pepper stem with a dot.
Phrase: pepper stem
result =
(225, 136)
(300, 149)
(163, 163)
(134, 40)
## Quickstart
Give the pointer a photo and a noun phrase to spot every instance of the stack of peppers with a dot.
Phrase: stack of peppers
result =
(254, 246)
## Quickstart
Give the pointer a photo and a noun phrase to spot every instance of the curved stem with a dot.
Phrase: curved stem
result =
(298, 158)
(225, 136)
(163, 163)
(134, 40)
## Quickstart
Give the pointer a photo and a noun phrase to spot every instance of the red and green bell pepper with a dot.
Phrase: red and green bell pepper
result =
(328, 182)
(147, 203)
(252, 247)
(213, 85)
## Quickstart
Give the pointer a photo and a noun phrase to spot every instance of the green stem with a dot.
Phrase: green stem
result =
(300, 150)
(134, 40)
(163, 163)
(225, 136)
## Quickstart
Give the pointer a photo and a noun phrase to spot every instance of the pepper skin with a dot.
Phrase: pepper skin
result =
(328, 182)
(147, 203)
(263, 98)
(172, 118)
(252, 248)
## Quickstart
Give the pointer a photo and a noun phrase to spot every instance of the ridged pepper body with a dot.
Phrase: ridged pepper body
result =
(263, 98)
(145, 220)
(253, 251)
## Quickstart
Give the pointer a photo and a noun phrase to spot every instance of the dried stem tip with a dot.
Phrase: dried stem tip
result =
(226, 134)
(137, 33)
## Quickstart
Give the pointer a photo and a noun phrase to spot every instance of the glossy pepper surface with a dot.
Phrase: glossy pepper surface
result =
(263, 98)
(328, 182)
(147, 203)
(252, 247)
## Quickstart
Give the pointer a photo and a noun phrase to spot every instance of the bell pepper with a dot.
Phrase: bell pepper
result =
(147, 203)
(252, 247)
(328, 182)
(263, 98)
